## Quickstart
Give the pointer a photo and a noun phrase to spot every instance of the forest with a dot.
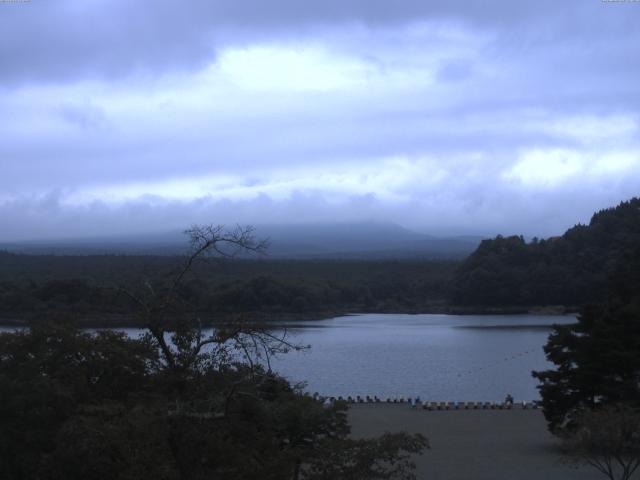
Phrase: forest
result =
(89, 287)
(569, 270)
(505, 274)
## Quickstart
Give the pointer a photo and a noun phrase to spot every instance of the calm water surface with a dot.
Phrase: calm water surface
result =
(436, 357)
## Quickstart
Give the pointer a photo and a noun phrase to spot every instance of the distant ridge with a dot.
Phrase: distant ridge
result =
(366, 240)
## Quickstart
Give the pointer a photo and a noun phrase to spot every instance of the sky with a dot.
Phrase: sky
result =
(447, 117)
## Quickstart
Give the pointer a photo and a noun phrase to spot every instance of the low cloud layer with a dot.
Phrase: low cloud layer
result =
(447, 117)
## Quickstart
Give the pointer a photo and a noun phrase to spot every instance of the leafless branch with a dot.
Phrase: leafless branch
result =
(254, 342)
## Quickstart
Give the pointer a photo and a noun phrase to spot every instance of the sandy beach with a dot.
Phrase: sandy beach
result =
(473, 444)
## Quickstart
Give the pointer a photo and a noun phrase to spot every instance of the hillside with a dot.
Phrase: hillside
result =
(573, 269)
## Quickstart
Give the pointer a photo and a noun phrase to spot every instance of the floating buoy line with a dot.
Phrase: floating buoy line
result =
(506, 359)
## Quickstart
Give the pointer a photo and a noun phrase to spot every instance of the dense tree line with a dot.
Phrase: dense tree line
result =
(569, 270)
(88, 288)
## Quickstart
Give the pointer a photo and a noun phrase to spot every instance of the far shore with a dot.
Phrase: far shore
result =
(473, 444)
(121, 320)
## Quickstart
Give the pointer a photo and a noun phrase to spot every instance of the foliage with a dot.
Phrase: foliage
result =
(597, 362)
(598, 358)
(607, 439)
(569, 270)
(386, 457)
(591, 399)
(85, 286)
(181, 402)
(47, 375)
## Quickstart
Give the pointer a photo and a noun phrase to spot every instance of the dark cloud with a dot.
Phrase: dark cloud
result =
(447, 116)
(57, 41)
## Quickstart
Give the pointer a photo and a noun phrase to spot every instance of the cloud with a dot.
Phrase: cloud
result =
(554, 167)
(464, 208)
(66, 40)
(461, 197)
(443, 115)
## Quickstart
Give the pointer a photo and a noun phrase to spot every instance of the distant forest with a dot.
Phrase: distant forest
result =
(89, 286)
(504, 274)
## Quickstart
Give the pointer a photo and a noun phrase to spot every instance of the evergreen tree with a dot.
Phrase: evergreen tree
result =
(598, 358)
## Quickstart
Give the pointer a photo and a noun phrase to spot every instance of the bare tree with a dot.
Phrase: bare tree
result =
(178, 333)
(607, 439)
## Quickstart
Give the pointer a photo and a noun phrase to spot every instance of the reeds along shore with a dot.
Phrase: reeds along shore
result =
(430, 405)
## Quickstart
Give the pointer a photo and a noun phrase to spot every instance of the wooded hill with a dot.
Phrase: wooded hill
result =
(573, 269)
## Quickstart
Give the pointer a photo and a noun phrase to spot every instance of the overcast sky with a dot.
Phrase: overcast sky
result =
(449, 117)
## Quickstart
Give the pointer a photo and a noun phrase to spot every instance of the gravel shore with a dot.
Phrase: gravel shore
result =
(473, 444)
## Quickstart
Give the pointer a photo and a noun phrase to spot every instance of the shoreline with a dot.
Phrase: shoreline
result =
(124, 320)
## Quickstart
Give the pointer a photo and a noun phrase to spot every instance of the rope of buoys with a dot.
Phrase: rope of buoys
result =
(495, 364)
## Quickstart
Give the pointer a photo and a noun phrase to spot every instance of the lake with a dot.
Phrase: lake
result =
(435, 357)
